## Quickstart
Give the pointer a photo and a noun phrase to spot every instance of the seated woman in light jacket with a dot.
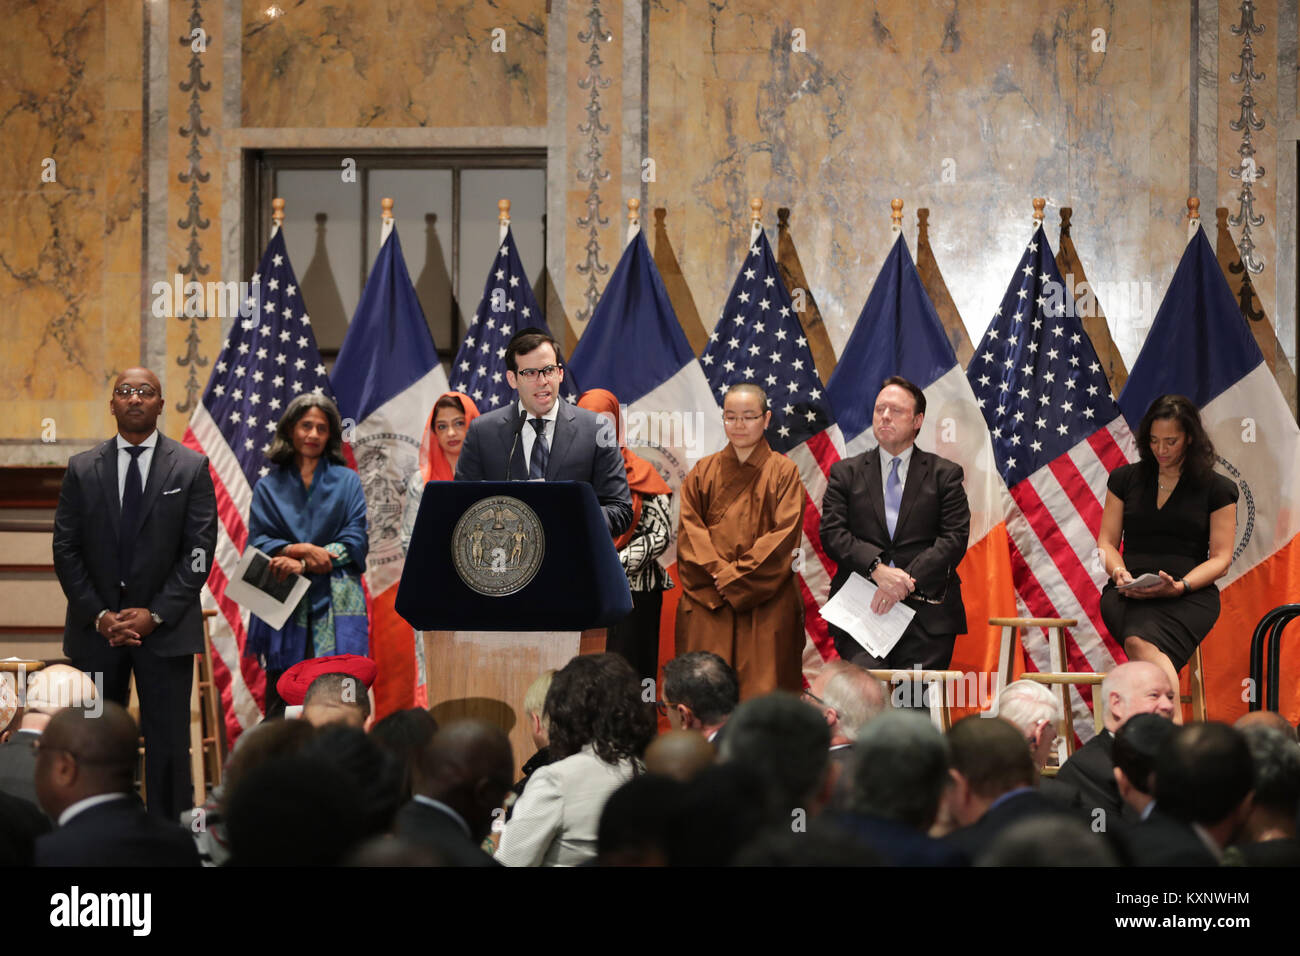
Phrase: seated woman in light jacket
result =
(599, 729)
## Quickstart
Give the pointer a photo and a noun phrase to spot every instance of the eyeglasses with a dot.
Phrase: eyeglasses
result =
(745, 419)
(126, 391)
(809, 695)
(547, 371)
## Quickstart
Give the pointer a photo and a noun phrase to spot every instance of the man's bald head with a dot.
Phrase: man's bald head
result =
(1136, 687)
(679, 754)
(82, 756)
(469, 766)
(1266, 718)
(59, 686)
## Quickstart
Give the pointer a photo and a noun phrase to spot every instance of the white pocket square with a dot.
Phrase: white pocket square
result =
(172, 492)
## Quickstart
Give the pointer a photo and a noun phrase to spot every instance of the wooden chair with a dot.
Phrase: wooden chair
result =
(938, 683)
(1058, 677)
(1195, 685)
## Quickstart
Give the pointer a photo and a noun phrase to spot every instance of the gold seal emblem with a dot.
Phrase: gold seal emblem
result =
(497, 545)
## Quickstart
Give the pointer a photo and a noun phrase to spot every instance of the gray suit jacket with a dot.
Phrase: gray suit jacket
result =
(18, 765)
(175, 543)
(583, 449)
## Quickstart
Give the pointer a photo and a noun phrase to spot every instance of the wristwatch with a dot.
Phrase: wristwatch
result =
(157, 618)
(1186, 587)
(871, 568)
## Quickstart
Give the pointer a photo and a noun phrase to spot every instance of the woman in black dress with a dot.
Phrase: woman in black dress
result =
(1176, 518)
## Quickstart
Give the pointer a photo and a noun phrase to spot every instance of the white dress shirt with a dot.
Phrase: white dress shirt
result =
(439, 805)
(529, 434)
(124, 461)
(86, 804)
(886, 459)
(555, 820)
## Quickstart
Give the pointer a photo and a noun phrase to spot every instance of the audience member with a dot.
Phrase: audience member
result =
(892, 789)
(700, 691)
(1034, 710)
(461, 778)
(21, 823)
(720, 812)
(48, 691)
(85, 766)
(1086, 781)
(787, 744)
(679, 754)
(1266, 718)
(1048, 840)
(993, 780)
(1136, 746)
(534, 713)
(848, 696)
(599, 728)
(336, 698)
(1203, 784)
(377, 774)
(824, 844)
(1269, 836)
(636, 824)
(404, 735)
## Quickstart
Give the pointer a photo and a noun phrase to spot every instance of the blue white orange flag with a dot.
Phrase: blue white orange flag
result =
(1057, 434)
(900, 333)
(1199, 346)
(267, 360)
(387, 377)
(758, 340)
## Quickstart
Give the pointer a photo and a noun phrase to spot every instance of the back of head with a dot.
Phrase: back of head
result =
(1203, 772)
(899, 770)
(336, 698)
(295, 811)
(1137, 744)
(595, 700)
(535, 696)
(469, 766)
(404, 734)
(719, 812)
(705, 683)
(854, 694)
(823, 844)
(56, 687)
(1049, 840)
(1024, 703)
(991, 755)
(377, 774)
(787, 743)
(637, 820)
(269, 740)
(85, 754)
(1266, 718)
(1276, 759)
(679, 754)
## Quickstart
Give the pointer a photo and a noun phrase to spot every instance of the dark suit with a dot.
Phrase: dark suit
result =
(1087, 780)
(975, 839)
(582, 448)
(436, 830)
(1162, 840)
(118, 833)
(21, 822)
(18, 765)
(929, 540)
(899, 844)
(174, 543)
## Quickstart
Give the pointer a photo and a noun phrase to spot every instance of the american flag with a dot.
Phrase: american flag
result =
(1057, 434)
(508, 305)
(267, 360)
(758, 340)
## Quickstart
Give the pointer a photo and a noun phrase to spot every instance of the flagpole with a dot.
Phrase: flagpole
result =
(386, 217)
(633, 219)
(755, 219)
(503, 218)
(277, 215)
(895, 217)
(1193, 217)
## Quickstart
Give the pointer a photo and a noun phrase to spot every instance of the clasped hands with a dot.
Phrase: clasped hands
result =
(1167, 588)
(292, 558)
(892, 585)
(127, 627)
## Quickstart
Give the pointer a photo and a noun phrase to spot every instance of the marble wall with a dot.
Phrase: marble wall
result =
(828, 107)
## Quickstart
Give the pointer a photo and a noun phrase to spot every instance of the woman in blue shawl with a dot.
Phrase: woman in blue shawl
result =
(309, 515)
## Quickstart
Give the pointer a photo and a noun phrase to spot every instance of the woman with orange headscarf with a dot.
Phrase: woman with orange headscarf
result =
(636, 637)
(444, 436)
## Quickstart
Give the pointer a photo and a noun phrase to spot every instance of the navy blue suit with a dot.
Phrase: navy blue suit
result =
(583, 448)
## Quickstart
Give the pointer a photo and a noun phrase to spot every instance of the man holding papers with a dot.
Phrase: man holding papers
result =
(898, 516)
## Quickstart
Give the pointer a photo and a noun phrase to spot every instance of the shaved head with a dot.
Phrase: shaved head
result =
(1137, 687)
(679, 754)
(138, 375)
(747, 388)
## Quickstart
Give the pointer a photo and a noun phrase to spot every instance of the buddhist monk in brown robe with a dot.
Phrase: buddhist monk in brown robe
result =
(741, 513)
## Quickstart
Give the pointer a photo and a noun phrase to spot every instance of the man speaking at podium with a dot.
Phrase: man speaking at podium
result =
(542, 437)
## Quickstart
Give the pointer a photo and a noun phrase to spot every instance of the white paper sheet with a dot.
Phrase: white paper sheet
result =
(244, 589)
(850, 610)
(1145, 581)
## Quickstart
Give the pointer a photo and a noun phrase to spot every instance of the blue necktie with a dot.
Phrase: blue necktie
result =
(893, 496)
(132, 495)
(537, 464)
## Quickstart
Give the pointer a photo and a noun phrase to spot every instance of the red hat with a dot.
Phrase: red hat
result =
(293, 683)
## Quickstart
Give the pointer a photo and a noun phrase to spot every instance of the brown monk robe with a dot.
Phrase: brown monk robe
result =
(739, 527)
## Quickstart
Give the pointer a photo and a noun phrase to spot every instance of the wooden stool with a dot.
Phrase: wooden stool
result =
(937, 681)
(1195, 685)
(1059, 677)
(206, 753)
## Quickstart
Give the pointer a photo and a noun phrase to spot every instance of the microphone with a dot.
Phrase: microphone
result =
(519, 427)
